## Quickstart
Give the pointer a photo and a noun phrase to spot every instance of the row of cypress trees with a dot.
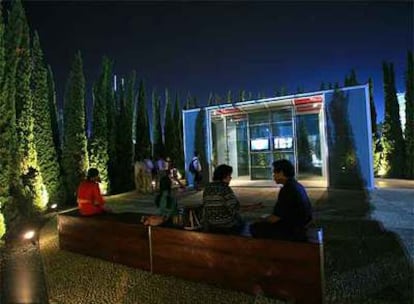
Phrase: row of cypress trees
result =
(393, 149)
(29, 166)
(42, 161)
(396, 146)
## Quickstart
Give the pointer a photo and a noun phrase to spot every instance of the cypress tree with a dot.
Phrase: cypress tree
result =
(179, 144)
(111, 120)
(4, 129)
(210, 100)
(74, 154)
(142, 140)
(169, 127)
(217, 99)
(304, 149)
(8, 136)
(98, 143)
(372, 107)
(351, 80)
(346, 82)
(322, 87)
(43, 133)
(191, 102)
(409, 116)
(156, 126)
(242, 95)
(30, 188)
(392, 139)
(200, 142)
(124, 143)
(53, 113)
(300, 90)
(229, 97)
(343, 163)
(376, 143)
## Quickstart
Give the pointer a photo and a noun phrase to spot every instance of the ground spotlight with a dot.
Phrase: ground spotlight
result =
(53, 206)
(29, 235)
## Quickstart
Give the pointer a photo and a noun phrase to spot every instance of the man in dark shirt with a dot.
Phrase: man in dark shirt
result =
(292, 211)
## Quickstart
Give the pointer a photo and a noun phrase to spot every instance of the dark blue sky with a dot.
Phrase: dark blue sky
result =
(216, 46)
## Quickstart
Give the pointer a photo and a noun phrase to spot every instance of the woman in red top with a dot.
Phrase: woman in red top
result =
(90, 200)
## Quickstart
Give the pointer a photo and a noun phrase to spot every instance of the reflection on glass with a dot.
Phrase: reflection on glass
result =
(282, 115)
(259, 118)
(284, 155)
(282, 129)
(259, 144)
(282, 143)
(259, 131)
(261, 159)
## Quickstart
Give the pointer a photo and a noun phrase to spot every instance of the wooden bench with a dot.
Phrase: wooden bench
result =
(116, 238)
(286, 270)
(289, 270)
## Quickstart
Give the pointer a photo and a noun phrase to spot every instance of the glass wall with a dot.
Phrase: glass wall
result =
(250, 142)
(309, 145)
(271, 138)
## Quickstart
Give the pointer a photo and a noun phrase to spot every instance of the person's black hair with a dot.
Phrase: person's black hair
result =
(196, 153)
(285, 166)
(92, 172)
(165, 184)
(221, 172)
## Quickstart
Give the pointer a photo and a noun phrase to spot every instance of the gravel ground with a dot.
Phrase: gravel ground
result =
(364, 261)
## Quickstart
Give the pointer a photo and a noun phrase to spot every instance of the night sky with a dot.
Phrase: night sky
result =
(203, 47)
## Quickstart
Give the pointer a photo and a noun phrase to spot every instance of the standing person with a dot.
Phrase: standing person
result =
(221, 208)
(196, 169)
(150, 174)
(89, 198)
(162, 167)
(151, 167)
(292, 211)
(173, 173)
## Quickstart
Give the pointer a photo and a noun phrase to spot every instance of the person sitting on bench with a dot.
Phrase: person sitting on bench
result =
(166, 204)
(89, 198)
(221, 208)
(292, 211)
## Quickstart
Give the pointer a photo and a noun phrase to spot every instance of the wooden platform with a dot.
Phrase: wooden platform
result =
(287, 270)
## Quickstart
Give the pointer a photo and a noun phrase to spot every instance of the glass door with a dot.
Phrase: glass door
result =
(283, 134)
(260, 147)
(237, 145)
